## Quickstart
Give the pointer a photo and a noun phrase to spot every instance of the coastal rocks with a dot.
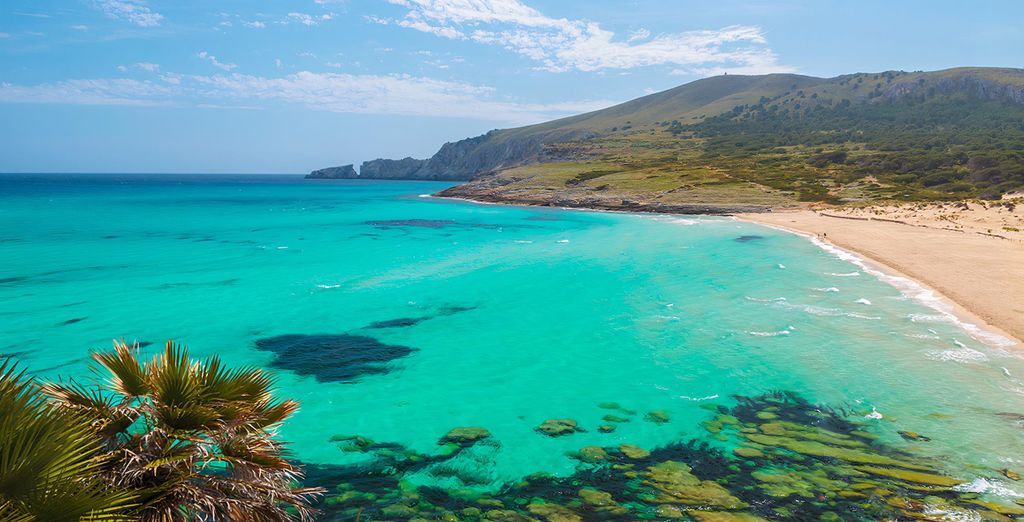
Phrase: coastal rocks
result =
(657, 417)
(405, 168)
(342, 172)
(592, 454)
(332, 357)
(553, 512)
(633, 452)
(606, 428)
(1010, 474)
(676, 484)
(913, 436)
(802, 462)
(614, 418)
(558, 427)
(748, 453)
(917, 477)
(465, 436)
(353, 443)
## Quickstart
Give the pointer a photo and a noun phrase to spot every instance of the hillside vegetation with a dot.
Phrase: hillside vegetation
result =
(759, 140)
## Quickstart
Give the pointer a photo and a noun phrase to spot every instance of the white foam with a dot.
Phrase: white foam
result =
(963, 355)
(760, 300)
(829, 289)
(874, 414)
(708, 398)
(328, 287)
(769, 334)
(782, 266)
(667, 317)
(983, 485)
(282, 248)
(952, 515)
(562, 241)
(680, 221)
(523, 241)
(848, 274)
(927, 318)
(863, 301)
(916, 291)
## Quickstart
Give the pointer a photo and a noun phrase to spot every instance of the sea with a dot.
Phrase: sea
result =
(395, 316)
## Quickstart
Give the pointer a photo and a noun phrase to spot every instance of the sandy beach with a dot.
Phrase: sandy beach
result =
(971, 254)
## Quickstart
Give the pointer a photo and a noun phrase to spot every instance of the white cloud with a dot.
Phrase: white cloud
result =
(278, 63)
(255, 24)
(143, 66)
(310, 20)
(333, 92)
(5, 35)
(333, 65)
(640, 34)
(216, 63)
(134, 11)
(88, 92)
(562, 44)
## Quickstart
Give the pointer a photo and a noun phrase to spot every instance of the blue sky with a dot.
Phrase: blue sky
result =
(292, 85)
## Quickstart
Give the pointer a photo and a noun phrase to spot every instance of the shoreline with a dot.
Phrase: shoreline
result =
(917, 286)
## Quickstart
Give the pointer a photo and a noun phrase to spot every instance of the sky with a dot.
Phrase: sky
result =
(288, 86)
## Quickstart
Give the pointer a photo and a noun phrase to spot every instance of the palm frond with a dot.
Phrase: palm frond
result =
(128, 376)
(50, 459)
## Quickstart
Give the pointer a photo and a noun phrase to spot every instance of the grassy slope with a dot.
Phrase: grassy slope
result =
(634, 151)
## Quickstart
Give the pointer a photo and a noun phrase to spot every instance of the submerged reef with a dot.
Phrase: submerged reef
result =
(332, 357)
(777, 457)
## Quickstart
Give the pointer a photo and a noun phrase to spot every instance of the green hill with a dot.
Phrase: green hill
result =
(757, 140)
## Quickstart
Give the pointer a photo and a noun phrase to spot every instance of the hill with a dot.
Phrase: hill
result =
(756, 141)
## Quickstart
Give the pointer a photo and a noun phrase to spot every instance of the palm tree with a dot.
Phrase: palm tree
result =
(50, 460)
(195, 440)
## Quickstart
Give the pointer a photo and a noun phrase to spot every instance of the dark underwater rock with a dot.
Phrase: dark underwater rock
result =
(558, 427)
(747, 239)
(332, 357)
(465, 435)
(403, 322)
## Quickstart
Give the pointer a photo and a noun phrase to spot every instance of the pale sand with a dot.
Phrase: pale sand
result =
(947, 250)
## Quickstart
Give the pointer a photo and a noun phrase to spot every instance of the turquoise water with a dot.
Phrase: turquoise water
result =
(489, 316)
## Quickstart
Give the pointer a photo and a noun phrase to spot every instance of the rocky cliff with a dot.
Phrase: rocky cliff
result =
(342, 172)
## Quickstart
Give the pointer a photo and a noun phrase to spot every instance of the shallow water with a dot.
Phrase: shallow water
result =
(398, 317)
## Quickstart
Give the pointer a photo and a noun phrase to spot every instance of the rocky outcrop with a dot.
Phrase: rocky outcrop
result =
(469, 158)
(493, 189)
(971, 82)
(342, 172)
(391, 169)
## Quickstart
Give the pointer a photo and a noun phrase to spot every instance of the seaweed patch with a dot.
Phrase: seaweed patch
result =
(780, 458)
(332, 357)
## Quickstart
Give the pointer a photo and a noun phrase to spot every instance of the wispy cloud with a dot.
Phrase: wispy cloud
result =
(334, 92)
(562, 44)
(142, 66)
(80, 27)
(5, 35)
(134, 11)
(216, 63)
(255, 24)
(309, 20)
